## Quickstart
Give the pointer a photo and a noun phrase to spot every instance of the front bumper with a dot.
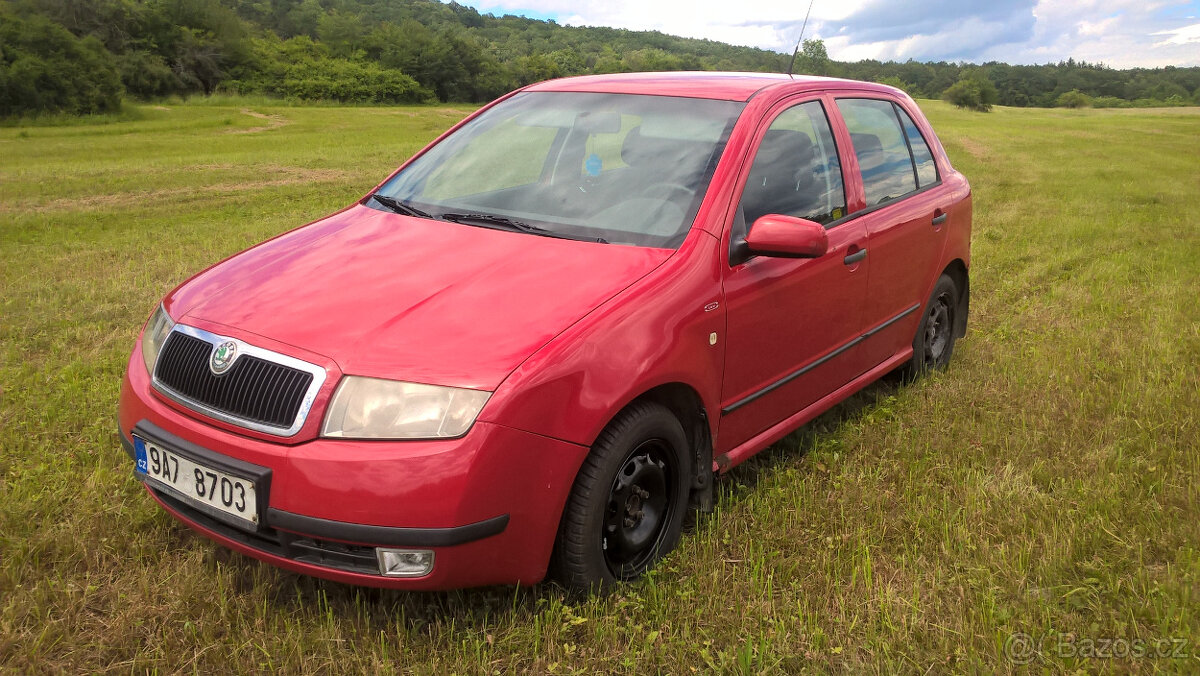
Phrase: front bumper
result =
(487, 504)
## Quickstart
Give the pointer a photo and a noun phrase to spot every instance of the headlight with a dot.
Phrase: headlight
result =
(370, 408)
(157, 328)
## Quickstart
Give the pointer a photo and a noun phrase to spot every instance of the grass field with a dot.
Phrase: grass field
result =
(1047, 484)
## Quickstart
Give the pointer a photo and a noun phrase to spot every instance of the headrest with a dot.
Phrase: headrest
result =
(785, 144)
(782, 157)
(638, 149)
(869, 150)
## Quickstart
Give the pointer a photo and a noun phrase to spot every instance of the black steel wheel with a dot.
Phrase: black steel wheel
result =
(934, 343)
(627, 506)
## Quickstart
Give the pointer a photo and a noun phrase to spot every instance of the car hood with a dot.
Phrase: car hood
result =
(412, 299)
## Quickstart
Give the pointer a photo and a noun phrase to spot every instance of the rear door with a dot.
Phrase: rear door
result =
(792, 323)
(903, 211)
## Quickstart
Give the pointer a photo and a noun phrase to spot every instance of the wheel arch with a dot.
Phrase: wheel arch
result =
(686, 404)
(957, 271)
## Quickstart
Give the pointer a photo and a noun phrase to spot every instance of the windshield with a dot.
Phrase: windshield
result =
(620, 168)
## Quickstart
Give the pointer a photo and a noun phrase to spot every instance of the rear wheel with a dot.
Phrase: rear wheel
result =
(627, 506)
(934, 343)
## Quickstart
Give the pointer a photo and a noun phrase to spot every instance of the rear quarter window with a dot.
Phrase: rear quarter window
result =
(927, 173)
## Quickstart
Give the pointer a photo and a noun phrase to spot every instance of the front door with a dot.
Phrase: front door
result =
(792, 323)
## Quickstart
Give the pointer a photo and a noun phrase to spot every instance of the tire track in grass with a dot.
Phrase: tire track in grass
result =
(291, 176)
(272, 122)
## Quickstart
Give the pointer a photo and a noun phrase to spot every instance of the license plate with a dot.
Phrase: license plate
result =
(198, 484)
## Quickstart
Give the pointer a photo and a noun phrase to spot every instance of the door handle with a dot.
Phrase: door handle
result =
(855, 257)
(939, 217)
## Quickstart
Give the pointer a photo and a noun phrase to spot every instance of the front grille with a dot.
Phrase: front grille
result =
(253, 389)
(354, 558)
(324, 553)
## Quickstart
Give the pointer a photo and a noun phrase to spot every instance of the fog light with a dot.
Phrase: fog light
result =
(404, 562)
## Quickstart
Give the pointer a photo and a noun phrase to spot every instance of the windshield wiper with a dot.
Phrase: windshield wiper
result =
(514, 225)
(399, 206)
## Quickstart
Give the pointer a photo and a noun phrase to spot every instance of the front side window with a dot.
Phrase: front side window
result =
(622, 168)
(879, 144)
(796, 170)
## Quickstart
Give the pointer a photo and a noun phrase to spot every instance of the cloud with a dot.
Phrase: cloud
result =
(1097, 28)
(888, 20)
(768, 24)
(1180, 36)
(965, 39)
(1121, 33)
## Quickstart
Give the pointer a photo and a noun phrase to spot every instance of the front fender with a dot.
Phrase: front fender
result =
(655, 332)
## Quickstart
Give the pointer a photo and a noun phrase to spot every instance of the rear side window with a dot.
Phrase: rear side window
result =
(879, 143)
(922, 157)
(796, 170)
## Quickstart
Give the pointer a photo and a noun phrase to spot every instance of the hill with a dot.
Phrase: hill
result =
(83, 56)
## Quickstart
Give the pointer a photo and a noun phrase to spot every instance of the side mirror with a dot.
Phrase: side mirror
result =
(787, 237)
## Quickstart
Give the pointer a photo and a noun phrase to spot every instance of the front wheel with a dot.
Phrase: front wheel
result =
(934, 343)
(627, 506)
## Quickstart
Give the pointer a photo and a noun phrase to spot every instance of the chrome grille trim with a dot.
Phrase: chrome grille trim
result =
(244, 349)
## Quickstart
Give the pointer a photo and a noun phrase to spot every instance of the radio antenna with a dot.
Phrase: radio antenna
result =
(801, 40)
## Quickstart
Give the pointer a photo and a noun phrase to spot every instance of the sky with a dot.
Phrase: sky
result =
(1118, 33)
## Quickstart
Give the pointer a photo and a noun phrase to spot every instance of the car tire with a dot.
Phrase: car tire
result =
(934, 343)
(627, 505)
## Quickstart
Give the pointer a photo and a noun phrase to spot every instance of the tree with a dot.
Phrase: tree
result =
(202, 40)
(446, 62)
(301, 19)
(198, 60)
(608, 61)
(813, 58)
(974, 91)
(147, 75)
(44, 68)
(1074, 99)
(160, 47)
(341, 32)
(300, 68)
(647, 60)
(893, 81)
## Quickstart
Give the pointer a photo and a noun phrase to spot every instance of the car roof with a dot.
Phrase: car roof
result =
(699, 84)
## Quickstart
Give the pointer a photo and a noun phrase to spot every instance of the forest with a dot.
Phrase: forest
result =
(88, 56)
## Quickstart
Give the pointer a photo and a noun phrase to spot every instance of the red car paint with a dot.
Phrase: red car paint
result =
(564, 333)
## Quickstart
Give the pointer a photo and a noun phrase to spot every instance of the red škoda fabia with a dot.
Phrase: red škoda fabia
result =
(533, 346)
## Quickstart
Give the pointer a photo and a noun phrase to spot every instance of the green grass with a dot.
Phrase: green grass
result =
(1048, 483)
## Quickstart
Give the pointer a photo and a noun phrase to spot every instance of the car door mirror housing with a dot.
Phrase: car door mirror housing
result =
(787, 237)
